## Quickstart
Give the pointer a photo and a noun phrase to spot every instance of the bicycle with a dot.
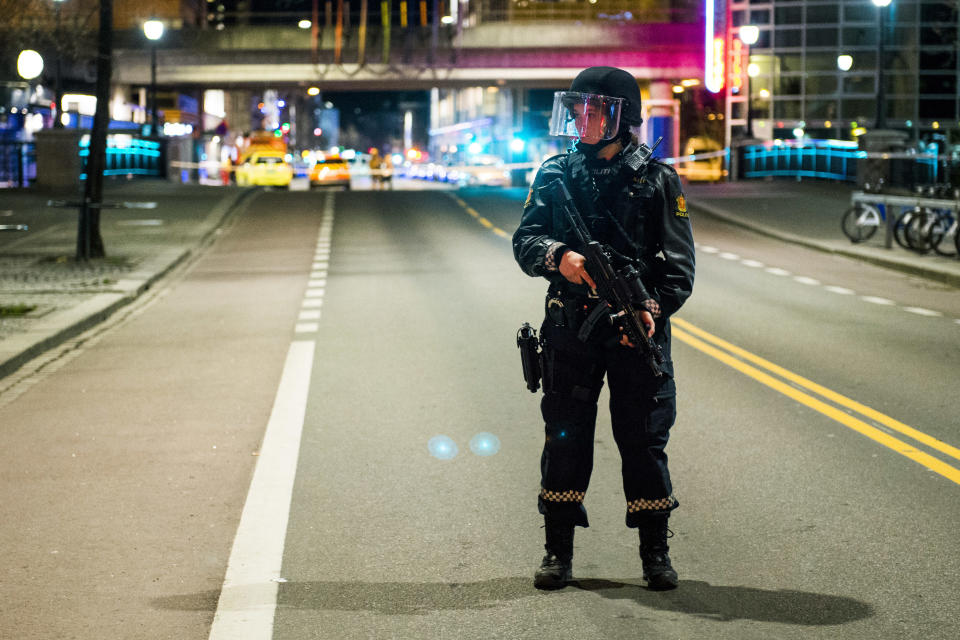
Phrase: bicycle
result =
(861, 221)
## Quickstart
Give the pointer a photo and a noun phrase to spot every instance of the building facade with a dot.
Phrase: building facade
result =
(818, 66)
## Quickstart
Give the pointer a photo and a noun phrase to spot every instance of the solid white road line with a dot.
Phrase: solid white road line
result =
(249, 596)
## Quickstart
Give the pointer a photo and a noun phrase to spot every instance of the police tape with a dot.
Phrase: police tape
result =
(431, 167)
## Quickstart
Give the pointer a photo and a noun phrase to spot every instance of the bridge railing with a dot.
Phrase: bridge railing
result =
(640, 11)
(413, 13)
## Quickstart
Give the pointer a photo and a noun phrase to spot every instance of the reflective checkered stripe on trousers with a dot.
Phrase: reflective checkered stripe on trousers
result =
(643, 504)
(562, 496)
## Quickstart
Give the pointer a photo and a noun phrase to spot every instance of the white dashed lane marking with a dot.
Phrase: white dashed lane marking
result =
(881, 301)
(844, 291)
(248, 599)
(317, 285)
(923, 312)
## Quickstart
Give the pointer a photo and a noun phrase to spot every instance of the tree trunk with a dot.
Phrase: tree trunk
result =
(89, 241)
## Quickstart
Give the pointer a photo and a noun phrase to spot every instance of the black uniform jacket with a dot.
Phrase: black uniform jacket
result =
(650, 207)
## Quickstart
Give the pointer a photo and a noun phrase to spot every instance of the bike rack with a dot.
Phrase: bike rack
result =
(904, 202)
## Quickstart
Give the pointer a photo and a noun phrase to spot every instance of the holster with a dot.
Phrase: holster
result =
(529, 346)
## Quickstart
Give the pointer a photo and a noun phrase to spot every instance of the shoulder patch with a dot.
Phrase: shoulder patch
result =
(529, 198)
(681, 207)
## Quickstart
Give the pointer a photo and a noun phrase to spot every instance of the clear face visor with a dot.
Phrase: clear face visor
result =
(588, 116)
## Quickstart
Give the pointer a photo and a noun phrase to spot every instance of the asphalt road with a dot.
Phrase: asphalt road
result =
(372, 336)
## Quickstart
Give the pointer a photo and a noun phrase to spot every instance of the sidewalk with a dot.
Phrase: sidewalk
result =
(38, 271)
(808, 213)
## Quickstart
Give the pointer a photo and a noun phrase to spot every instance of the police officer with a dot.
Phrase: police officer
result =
(635, 206)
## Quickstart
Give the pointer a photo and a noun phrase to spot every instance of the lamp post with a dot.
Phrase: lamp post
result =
(881, 119)
(57, 84)
(749, 34)
(153, 30)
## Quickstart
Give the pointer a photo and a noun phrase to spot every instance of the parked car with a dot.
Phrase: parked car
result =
(330, 171)
(265, 168)
(485, 170)
(701, 169)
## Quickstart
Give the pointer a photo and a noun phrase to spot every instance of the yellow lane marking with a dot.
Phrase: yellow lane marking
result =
(822, 391)
(486, 223)
(857, 425)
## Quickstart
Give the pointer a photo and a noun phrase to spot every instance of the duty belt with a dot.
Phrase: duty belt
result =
(572, 310)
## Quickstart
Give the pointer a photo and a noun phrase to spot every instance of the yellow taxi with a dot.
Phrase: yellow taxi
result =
(330, 171)
(265, 168)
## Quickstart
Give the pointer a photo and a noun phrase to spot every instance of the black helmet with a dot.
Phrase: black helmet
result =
(614, 82)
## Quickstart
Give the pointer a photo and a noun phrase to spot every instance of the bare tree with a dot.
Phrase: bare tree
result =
(65, 34)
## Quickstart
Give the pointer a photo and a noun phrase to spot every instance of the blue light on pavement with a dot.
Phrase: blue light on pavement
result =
(442, 447)
(485, 444)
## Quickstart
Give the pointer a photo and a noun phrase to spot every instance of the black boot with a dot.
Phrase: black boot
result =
(557, 566)
(657, 570)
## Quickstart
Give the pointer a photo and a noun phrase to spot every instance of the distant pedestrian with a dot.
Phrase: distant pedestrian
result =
(386, 170)
(376, 168)
(634, 205)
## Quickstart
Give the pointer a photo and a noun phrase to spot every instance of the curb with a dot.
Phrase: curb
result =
(903, 264)
(68, 323)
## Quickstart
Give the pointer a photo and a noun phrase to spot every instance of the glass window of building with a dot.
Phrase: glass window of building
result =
(938, 12)
(822, 37)
(859, 110)
(822, 109)
(788, 15)
(940, 83)
(859, 36)
(938, 60)
(823, 14)
(819, 84)
(791, 85)
(817, 62)
(760, 16)
(859, 12)
(787, 63)
(787, 38)
(859, 84)
(942, 109)
(787, 109)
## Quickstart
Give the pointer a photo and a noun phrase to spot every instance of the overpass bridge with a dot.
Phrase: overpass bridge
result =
(659, 48)
(533, 54)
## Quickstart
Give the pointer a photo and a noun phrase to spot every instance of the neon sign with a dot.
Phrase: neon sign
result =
(714, 49)
(736, 65)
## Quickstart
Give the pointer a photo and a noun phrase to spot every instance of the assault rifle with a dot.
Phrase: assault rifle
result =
(618, 288)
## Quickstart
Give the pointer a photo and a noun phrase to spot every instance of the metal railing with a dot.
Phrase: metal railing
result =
(127, 155)
(18, 166)
(799, 161)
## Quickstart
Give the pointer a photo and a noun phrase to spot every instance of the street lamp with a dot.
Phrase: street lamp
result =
(881, 120)
(749, 34)
(153, 30)
(29, 64)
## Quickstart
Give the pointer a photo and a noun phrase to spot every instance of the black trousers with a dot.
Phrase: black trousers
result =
(642, 411)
